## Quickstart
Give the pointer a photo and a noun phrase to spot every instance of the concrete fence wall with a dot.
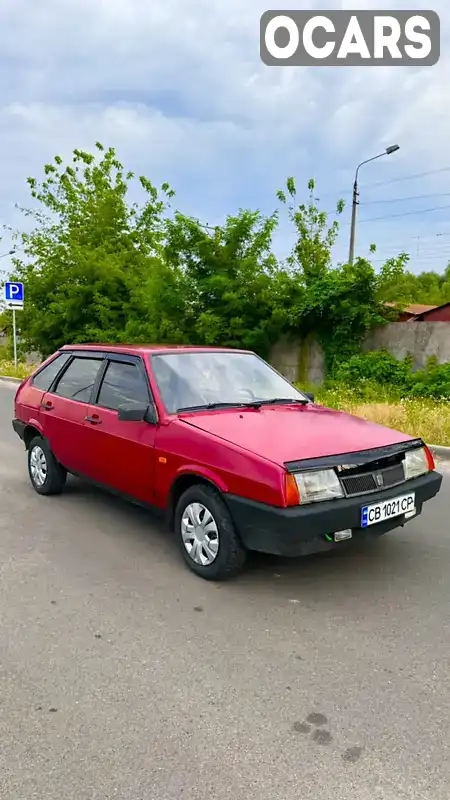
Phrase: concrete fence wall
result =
(420, 339)
(299, 360)
(304, 360)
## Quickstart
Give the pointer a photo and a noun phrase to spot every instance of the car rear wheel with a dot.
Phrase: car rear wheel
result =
(46, 474)
(209, 542)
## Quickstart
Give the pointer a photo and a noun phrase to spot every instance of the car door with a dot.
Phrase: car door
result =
(28, 399)
(122, 452)
(64, 409)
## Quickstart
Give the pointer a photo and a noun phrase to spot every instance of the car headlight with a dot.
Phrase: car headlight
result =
(313, 487)
(417, 462)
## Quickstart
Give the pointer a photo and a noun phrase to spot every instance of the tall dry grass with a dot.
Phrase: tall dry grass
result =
(8, 370)
(422, 418)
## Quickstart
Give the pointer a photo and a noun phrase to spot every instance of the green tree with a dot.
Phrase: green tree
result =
(90, 250)
(339, 308)
(337, 305)
(399, 285)
(311, 254)
(161, 304)
(432, 288)
(395, 283)
(98, 267)
(235, 293)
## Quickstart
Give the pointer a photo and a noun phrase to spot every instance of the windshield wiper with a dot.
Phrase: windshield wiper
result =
(282, 401)
(212, 406)
(250, 404)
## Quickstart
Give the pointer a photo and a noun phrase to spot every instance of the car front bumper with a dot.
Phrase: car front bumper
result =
(301, 530)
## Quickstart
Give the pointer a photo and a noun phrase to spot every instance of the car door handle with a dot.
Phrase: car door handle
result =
(94, 420)
(48, 405)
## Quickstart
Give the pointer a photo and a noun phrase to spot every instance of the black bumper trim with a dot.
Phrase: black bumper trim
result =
(301, 530)
(19, 428)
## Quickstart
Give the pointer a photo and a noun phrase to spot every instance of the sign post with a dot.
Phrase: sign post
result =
(15, 337)
(14, 296)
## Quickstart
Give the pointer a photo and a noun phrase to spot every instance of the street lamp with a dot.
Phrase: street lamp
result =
(391, 149)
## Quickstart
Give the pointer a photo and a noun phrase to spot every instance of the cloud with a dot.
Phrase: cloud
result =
(178, 88)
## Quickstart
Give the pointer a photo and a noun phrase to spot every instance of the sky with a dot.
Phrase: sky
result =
(178, 88)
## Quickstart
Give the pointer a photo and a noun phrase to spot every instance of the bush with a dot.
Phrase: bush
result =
(378, 367)
(371, 375)
(432, 382)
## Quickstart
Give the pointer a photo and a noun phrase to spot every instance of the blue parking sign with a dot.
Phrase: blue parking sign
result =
(14, 293)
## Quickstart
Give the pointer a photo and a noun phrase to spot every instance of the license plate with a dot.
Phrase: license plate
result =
(388, 509)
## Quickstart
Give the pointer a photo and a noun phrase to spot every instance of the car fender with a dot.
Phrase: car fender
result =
(34, 423)
(190, 471)
(202, 472)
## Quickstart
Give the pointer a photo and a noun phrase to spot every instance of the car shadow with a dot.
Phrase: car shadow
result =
(353, 568)
(143, 520)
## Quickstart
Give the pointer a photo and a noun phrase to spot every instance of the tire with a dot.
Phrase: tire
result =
(229, 555)
(47, 476)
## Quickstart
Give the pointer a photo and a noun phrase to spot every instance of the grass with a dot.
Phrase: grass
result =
(8, 370)
(427, 419)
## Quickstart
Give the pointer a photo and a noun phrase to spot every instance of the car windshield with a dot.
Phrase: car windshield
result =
(192, 380)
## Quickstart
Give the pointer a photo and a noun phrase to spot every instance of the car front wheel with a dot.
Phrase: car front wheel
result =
(46, 474)
(209, 542)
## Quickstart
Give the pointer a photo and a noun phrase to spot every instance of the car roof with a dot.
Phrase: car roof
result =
(150, 348)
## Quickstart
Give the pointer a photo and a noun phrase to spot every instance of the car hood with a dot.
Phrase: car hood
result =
(291, 432)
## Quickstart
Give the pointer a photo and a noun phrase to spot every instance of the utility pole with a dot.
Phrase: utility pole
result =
(351, 253)
(391, 149)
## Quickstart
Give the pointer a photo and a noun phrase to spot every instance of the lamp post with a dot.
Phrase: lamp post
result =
(391, 149)
(9, 253)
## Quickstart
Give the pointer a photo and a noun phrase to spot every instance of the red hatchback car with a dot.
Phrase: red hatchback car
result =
(236, 457)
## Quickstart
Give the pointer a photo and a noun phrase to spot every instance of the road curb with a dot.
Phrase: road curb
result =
(441, 452)
(7, 379)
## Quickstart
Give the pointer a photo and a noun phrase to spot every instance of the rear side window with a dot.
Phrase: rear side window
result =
(44, 379)
(79, 378)
(123, 384)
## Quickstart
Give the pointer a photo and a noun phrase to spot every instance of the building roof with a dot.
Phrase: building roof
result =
(421, 314)
(414, 309)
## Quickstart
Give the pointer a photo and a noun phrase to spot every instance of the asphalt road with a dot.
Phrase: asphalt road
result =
(124, 676)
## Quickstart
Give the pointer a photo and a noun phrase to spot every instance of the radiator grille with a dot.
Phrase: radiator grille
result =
(367, 482)
(394, 475)
(358, 484)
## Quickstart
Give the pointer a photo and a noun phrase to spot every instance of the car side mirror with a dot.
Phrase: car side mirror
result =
(310, 396)
(135, 413)
(151, 416)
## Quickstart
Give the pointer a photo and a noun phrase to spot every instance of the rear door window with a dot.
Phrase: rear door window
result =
(78, 380)
(123, 384)
(44, 379)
